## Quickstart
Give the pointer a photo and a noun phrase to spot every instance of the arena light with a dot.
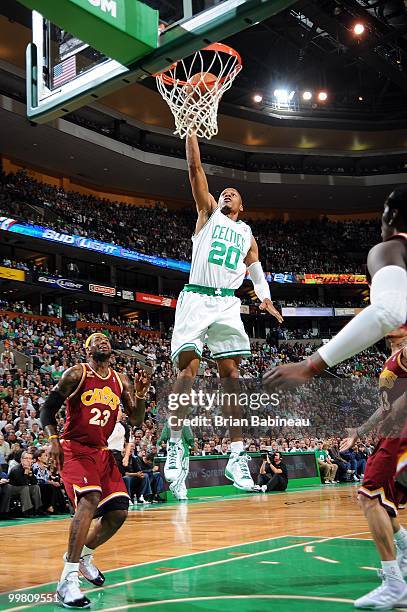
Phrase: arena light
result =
(283, 96)
(307, 95)
(322, 96)
(358, 29)
(258, 98)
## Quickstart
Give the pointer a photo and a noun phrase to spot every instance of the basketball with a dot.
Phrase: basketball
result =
(205, 81)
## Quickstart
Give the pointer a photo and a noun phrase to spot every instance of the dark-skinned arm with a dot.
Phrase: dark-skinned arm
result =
(67, 384)
(389, 420)
(366, 328)
(133, 397)
(205, 202)
(261, 286)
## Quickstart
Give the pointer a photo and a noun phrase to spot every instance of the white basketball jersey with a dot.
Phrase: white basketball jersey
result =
(218, 252)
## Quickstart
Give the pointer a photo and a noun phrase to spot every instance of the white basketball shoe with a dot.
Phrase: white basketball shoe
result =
(392, 593)
(69, 593)
(173, 464)
(179, 490)
(237, 470)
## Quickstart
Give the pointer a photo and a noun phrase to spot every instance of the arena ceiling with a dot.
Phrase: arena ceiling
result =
(310, 46)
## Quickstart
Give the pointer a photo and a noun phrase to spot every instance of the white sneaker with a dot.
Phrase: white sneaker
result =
(69, 594)
(173, 462)
(141, 500)
(237, 470)
(89, 571)
(402, 560)
(390, 594)
(179, 491)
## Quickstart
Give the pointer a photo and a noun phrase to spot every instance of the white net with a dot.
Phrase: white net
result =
(194, 87)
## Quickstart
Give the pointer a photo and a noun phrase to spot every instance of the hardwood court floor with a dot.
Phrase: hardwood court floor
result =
(308, 549)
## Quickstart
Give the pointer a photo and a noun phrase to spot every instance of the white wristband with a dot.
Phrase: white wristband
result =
(261, 286)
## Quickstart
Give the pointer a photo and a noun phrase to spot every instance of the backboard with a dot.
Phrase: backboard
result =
(65, 73)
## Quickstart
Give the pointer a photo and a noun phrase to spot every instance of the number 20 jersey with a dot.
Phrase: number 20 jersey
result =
(218, 252)
(91, 410)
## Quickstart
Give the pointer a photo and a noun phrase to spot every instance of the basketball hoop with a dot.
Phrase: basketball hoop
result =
(193, 88)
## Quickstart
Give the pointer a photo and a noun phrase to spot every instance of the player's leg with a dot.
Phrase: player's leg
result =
(105, 527)
(228, 342)
(192, 318)
(68, 591)
(110, 514)
(188, 364)
(378, 500)
(237, 468)
(178, 487)
(399, 533)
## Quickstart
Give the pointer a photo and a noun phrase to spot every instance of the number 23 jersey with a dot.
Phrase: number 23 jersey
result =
(218, 252)
(91, 410)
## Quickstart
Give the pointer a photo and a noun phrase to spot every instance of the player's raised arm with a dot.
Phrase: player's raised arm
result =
(261, 286)
(205, 202)
(387, 311)
(63, 389)
(133, 397)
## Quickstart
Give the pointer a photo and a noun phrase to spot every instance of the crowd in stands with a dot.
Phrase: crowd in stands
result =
(292, 246)
(50, 348)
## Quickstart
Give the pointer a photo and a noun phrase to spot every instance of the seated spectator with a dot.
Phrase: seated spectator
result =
(137, 482)
(23, 483)
(340, 462)
(4, 452)
(350, 457)
(327, 468)
(153, 473)
(4, 496)
(273, 474)
(361, 458)
(48, 489)
(162, 450)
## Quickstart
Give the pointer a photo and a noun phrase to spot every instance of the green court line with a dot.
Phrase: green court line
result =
(205, 581)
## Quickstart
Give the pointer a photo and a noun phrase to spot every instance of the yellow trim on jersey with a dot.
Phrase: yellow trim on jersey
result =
(111, 496)
(80, 382)
(399, 361)
(77, 489)
(119, 380)
(98, 375)
(402, 462)
(378, 493)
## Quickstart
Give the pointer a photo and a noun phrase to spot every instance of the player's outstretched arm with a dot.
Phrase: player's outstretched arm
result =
(133, 397)
(261, 286)
(205, 202)
(387, 311)
(63, 389)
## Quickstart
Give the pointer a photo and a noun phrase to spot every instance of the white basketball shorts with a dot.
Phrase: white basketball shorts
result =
(202, 319)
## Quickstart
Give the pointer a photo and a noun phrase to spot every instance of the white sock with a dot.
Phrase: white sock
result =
(175, 435)
(391, 568)
(87, 551)
(236, 447)
(400, 537)
(68, 568)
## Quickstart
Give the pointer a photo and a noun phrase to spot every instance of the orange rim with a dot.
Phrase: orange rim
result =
(217, 47)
